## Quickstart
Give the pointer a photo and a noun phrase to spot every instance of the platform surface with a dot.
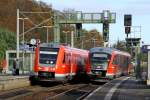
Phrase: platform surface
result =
(124, 88)
(11, 82)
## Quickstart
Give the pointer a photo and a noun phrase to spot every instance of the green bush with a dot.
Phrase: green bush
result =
(7, 41)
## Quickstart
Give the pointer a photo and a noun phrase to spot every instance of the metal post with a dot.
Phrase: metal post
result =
(66, 38)
(47, 35)
(7, 60)
(105, 44)
(56, 29)
(72, 39)
(71, 70)
(31, 61)
(23, 49)
(82, 44)
(148, 79)
(94, 41)
(17, 45)
(23, 43)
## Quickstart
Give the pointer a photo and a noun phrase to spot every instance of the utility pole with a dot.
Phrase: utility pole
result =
(94, 41)
(47, 35)
(17, 45)
(72, 39)
(82, 44)
(23, 19)
(148, 72)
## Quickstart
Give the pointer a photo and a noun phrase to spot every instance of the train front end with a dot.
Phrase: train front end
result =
(99, 64)
(99, 61)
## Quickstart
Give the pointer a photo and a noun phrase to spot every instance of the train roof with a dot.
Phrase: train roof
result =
(102, 49)
(107, 50)
(50, 45)
(53, 45)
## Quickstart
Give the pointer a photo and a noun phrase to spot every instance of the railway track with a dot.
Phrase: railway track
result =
(21, 92)
(76, 93)
(59, 92)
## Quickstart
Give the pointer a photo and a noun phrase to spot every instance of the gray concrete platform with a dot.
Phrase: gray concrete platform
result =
(11, 82)
(124, 88)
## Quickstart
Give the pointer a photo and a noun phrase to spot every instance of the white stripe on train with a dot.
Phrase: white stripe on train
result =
(63, 75)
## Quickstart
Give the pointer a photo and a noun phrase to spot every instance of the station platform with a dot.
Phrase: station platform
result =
(124, 88)
(8, 82)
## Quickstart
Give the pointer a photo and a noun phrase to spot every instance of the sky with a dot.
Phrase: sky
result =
(139, 9)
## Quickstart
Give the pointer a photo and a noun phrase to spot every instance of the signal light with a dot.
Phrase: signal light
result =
(127, 23)
(105, 31)
(127, 29)
(127, 20)
(78, 27)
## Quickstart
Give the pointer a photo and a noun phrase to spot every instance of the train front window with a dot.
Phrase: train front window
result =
(99, 61)
(48, 56)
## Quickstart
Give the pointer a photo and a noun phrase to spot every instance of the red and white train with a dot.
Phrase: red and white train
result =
(108, 63)
(59, 63)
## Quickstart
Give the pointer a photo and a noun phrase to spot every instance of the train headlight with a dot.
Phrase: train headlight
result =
(51, 62)
(40, 68)
(47, 62)
(63, 66)
(113, 67)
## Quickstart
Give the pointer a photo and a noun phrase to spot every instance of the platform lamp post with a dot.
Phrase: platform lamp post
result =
(23, 19)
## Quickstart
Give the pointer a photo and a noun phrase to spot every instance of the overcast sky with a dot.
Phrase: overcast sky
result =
(140, 10)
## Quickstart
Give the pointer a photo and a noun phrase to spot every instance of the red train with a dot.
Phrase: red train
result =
(108, 63)
(59, 63)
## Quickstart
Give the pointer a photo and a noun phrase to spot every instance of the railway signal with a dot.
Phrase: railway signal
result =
(127, 29)
(127, 20)
(106, 30)
(127, 23)
(79, 28)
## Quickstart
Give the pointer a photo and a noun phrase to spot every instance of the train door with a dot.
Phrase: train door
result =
(71, 66)
(68, 64)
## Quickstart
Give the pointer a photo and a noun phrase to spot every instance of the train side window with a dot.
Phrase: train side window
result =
(115, 60)
(121, 60)
(67, 58)
(126, 62)
(79, 62)
(86, 60)
(76, 59)
(64, 58)
(83, 61)
(129, 60)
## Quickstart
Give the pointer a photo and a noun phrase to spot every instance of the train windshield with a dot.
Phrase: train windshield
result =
(48, 56)
(99, 61)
